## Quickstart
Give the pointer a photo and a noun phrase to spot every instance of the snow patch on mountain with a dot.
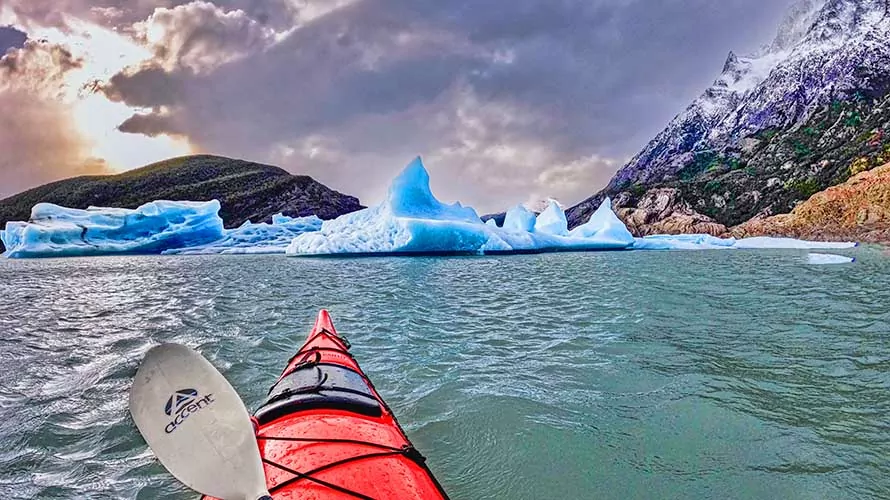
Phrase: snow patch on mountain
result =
(824, 50)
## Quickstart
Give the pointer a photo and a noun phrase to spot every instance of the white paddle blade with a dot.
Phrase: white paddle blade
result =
(196, 424)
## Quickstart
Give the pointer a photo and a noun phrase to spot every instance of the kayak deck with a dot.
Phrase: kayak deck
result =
(325, 433)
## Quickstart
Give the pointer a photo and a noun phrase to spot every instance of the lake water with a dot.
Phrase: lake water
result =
(711, 374)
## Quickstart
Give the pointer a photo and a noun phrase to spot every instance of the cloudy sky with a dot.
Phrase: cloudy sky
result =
(507, 101)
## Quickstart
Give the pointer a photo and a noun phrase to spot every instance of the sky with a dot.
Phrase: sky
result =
(506, 101)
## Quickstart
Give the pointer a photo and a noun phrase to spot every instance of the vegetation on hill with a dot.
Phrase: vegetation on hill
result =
(246, 190)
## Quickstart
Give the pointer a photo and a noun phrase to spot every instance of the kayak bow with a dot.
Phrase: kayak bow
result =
(324, 432)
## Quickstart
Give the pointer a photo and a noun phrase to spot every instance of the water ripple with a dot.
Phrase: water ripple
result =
(613, 375)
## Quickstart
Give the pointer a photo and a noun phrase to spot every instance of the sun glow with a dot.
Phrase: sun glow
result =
(97, 119)
(104, 53)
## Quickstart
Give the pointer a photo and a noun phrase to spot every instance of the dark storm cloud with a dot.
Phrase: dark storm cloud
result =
(512, 99)
(11, 38)
(145, 87)
(380, 80)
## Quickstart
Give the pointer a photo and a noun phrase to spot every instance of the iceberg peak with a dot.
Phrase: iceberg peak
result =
(519, 218)
(552, 220)
(604, 224)
(410, 196)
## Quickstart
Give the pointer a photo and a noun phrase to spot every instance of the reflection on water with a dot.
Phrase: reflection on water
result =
(599, 375)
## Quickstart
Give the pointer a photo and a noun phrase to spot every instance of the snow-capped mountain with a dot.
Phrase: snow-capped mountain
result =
(829, 61)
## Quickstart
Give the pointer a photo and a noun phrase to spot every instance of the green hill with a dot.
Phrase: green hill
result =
(246, 190)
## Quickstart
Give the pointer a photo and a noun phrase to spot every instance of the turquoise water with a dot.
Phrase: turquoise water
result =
(712, 374)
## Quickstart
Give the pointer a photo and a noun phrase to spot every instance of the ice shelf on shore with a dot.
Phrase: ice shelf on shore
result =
(708, 242)
(412, 221)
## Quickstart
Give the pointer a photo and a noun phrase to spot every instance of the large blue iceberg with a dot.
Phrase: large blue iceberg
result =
(412, 221)
(55, 231)
(168, 227)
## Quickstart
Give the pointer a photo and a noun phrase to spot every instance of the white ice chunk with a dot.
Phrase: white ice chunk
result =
(767, 242)
(410, 220)
(827, 258)
(708, 242)
(604, 226)
(682, 242)
(491, 222)
(55, 231)
(519, 218)
(552, 220)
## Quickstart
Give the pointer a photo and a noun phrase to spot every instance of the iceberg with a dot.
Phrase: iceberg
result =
(552, 221)
(708, 242)
(792, 244)
(519, 218)
(55, 231)
(683, 242)
(252, 238)
(412, 221)
(604, 226)
(827, 258)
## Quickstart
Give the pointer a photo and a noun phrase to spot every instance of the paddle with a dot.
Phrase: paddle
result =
(197, 426)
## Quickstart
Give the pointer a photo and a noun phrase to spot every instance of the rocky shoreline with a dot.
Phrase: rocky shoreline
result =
(857, 210)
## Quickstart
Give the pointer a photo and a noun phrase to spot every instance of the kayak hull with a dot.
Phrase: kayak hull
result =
(325, 433)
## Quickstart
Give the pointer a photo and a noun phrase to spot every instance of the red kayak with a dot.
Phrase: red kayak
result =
(325, 433)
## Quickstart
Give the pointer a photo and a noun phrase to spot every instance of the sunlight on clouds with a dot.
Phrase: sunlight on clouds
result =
(98, 118)
(313, 9)
(104, 53)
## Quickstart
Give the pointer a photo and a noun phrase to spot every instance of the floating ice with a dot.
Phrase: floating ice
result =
(789, 243)
(827, 258)
(552, 221)
(411, 220)
(604, 226)
(519, 218)
(682, 242)
(260, 238)
(55, 231)
(708, 242)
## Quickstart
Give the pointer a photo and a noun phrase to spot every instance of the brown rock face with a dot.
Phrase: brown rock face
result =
(662, 211)
(858, 210)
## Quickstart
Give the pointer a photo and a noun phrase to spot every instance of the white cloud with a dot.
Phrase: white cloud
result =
(201, 36)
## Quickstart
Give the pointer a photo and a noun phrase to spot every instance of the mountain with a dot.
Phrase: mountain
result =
(246, 190)
(857, 210)
(804, 113)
